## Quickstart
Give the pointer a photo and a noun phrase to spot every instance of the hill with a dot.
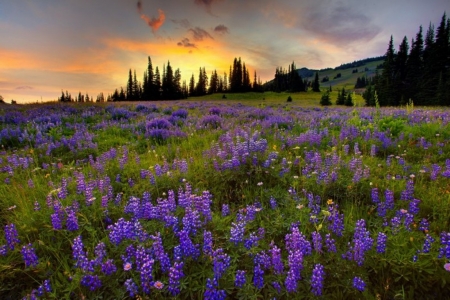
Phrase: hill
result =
(349, 72)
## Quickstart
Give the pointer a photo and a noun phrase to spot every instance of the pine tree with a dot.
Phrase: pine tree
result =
(387, 77)
(192, 86)
(400, 73)
(341, 97)
(348, 100)
(316, 83)
(325, 100)
(157, 93)
(414, 68)
(130, 86)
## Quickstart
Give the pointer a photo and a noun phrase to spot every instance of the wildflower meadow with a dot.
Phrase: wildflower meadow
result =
(217, 200)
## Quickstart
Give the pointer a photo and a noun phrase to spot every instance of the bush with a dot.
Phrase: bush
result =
(289, 99)
(325, 100)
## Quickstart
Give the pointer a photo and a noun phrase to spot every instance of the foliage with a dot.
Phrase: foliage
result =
(325, 100)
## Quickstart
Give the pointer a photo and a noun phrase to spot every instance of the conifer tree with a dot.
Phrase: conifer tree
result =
(316, 83)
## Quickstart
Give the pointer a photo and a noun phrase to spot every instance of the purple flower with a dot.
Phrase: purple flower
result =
(317, 241)
(132, 288)
(295, 266)
(277, 262)
(72, 221)
(207, 242)
(146, 271)
(212, 293)
(221, 262)
(11, 236)
(447, 267)
(29, 256)
(175, 275)
(108, 267)
(273, 202)
(258, 276)
(160, 253)
(317, 279)
(381, 242)
(427, 243)
(330, 243)
(240, 278)
(93, 282)
(237, 232)
(44, 288)
(225, 210)
(359, 284)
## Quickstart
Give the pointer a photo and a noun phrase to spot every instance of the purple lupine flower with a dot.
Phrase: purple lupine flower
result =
(221, 262)
(11, 236)
(276, 286)
(57, 217)
(375, 197)
(37, 206)
(188, 248)
(381, 209)
(93, 282)
(240, 278)
(146, 271)
(298, 241)
(359, 284)
(330, 243)
(211, 292)
(336, 222)
(381, 242)
(409, 219)
(108, 267)
(414, 206)
(132, 288)
(72, 220)
(29, 256)
(389, 199)
(225, 210)
(277, 263)
(237, 232)
(424, 225)
(295, 261)
(207, 242)
(62, 192)
(160, 253)
(273, 202)
(427, 243)
(79, 255)
(258, 276)
(408, 193)
(191, 221)
(444, 250)
(44, 288)
(3, 250)
(395, 225)
(175, 275)
(317, 280)
(317, 241)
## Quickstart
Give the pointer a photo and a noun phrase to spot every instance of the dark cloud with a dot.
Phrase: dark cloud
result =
(183, 23)
(154, 23)
(24, 87)
(186, 43)
(200, 34)
(206, 3)
(339, 24)
(221, 29)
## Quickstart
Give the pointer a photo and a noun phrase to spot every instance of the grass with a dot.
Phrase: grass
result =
(294, 176)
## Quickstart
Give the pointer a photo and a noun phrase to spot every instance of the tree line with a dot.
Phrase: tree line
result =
(420, 74)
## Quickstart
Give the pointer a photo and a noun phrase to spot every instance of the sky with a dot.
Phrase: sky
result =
(88, 46)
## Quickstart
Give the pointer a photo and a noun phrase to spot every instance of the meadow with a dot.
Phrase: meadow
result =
(224, 199)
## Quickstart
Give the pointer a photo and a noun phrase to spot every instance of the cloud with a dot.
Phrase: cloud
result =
(340, 25)
(154, 23)
(200, 34)
(186, 43)
(183, 23)
(24, 87)
(221, 29)
(206, 3)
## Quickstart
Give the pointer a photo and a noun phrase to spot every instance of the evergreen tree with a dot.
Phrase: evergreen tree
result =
(341, 97)
(325, 100)
(192, 86)
(399, 89)
(386, 89)
(130, 86)
(414, 68)
(157, 93)
(316, 83)
(348, 100)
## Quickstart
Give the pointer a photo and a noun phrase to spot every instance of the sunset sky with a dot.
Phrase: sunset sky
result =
(89, 45)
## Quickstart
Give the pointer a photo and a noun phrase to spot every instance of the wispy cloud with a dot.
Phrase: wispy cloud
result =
(183, 23)
(24, 87)
(200, 34)
(221, 29)
(207, 4)
(154, 23)
(186, 43)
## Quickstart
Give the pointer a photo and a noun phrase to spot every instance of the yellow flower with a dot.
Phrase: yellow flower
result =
(330, 201)
(274, 147)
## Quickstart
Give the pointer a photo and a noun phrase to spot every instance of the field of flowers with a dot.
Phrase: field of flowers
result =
(200, 200)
